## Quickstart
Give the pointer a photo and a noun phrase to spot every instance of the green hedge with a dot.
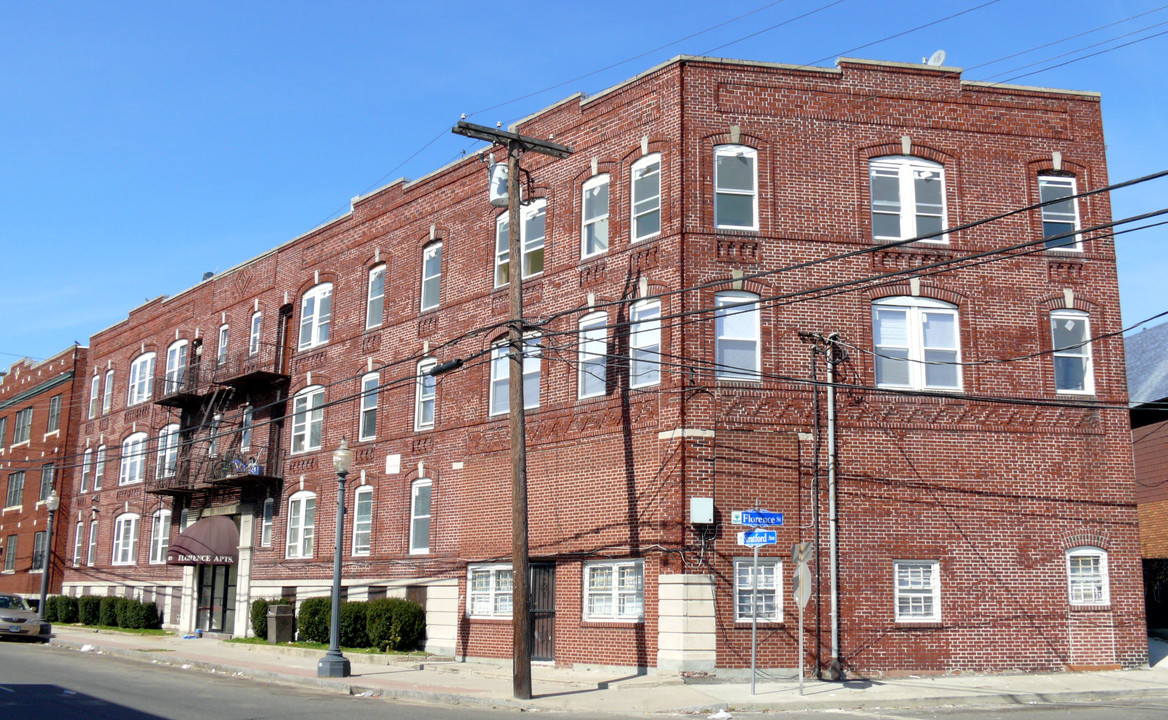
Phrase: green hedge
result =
(88, 609)
(50, 613)
(313, 621)
(66, 609)
(107, 611)
(259, 614)
(396, 624)
(353, 625)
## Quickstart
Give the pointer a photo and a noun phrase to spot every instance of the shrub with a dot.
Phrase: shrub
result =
(395, 624)
(353, 625)
(50, 613)
(89, 609)
(107, 612)
(66, 609)
(313, 622)
(126, 611)
(148, 616)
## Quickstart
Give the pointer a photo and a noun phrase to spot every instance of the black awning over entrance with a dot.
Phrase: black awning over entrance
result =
(210, 541)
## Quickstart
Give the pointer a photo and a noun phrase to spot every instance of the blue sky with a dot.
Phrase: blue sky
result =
(142, 143)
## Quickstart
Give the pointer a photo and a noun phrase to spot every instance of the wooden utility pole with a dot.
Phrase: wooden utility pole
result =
(520, 566)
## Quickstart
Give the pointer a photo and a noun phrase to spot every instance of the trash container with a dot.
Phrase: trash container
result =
(280, 623)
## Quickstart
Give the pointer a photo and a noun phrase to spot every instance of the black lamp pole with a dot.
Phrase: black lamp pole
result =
(334, 664)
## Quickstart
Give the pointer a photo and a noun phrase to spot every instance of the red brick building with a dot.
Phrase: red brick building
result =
(38, 430)
(723, 231)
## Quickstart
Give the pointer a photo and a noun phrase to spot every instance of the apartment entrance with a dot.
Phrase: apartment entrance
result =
(216, 598)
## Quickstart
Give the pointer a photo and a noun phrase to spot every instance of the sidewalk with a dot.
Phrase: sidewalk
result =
(489, 685)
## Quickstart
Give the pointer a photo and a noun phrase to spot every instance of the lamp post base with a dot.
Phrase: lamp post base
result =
(333, 666)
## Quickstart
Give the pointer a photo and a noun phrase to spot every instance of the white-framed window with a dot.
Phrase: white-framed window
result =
(166, 464)
(15, 495)
(420, 516)
(1087, 578)
(500, 396)
(368, 429)
(125, 539)
(184, 519)
(253, 338)
(737, 336)
(301, 525)
(10, 554)
(159, 536)
(375, 298)
(221, 351)
(489, 591)
(594, 216)
(1070, 333)
(38, 553)
(78, 539)
(54, 421)
(99, 467)
(176, 366)
(916, 343)
(917, 590)
(48, 473)
(213, 434)
(94, 398)
(425, 395)
(91, 556)
(735, 187)
(86, 468)
(593, 355)
(908, 199)
(3, 431)
(266, 522)
(22, 428)
(362, 520)
(531, 240)
(141, 377)
(646, 220)
(245, 428)
(107, 398)
(307, 419)
(431, 275)
(315, 314)
(133, 463)
(1061, 218)
(645, 344)
(614, 590)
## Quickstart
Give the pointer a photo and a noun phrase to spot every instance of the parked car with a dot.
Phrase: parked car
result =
(18, 620)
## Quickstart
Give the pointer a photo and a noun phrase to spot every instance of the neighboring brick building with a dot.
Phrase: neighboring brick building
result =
(669, 299)
(1147, 384)
(38, 430)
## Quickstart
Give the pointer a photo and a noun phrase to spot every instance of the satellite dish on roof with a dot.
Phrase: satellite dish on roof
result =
(937, 59)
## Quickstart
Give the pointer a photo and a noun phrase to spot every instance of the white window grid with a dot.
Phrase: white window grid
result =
(221, 350)
(307, 420)
(735, 187)
(1061, 217)
(266, 522)
(99, 467)
(166, 464)
(301, 525)
(362, 520)
(133, 461)
(125, 540)
(91, 556)
(421, 497)
(594, 216)
(532, 233)
(159, 536)
(78, 539)
(737, 337)
(375, 298)
(107, 398)
(141, 377)
(54, 420)
(917, 343)
(315, 316)
(86, 468)
(614, 590)
(94, 397)
(253, 339)
(1087, 576)
(646, 197)
(1070, 332)
(908, 199)
(917, 590)
(489, 590)
(176, 366)
(425, 395)
(368, 421)
(645, 344)
(500, 400)
(593, 355)
(431, 276)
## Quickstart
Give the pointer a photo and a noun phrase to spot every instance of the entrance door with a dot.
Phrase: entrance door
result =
(543, 612)
(216, 598)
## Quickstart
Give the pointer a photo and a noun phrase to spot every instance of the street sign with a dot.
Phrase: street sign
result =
(802, 552)
(756, 518)
(801, 585)
(753, 538)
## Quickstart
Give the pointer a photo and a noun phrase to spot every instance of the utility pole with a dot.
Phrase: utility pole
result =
(520, 567)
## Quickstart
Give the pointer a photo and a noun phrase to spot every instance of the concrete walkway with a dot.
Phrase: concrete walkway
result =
(489, 685)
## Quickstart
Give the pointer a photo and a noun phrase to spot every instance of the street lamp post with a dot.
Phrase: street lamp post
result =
(334, 664)
(52, 502)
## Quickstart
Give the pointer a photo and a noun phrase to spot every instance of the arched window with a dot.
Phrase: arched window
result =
(594, 216)
(645, 344)
(301, 525)
(159, 536)
(737, 336)
(593, 355)
(368, 421)
(916, 343)
(908, 199)
(125, 539)
(420, 516)
(646, 182)
(141, 379)
(167, 461)
(315, 314)
(362, 520)
(500, 395)
(531, 240)
(375, 299)
(425, 396)
(1060, 219)
(431, 275)
(176, 367)
(133, 461)
(307, 419)
(1087, 579)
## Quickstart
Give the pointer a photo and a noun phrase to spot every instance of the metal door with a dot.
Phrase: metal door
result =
(543, 612)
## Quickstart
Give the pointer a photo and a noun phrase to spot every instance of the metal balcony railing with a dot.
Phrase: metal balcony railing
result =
(245, 367)
(179, 389)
